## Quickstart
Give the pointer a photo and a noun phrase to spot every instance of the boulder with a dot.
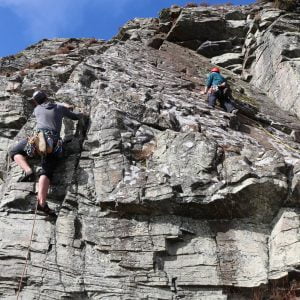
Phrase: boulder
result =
(237, 68)
(235, 15)
(227, 59)
(284, 244)
(214, 48)
(236, 28)
(197, 25)
(270, 14)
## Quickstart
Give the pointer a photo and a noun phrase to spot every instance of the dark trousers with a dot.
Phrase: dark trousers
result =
(223, 97)
(48, 163)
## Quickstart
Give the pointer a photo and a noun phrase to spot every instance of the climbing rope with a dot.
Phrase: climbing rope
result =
(277, 138)
(8, 164)
(28, 252)
(259, 126)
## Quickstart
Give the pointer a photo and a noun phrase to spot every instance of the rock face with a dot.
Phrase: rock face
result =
(259, 42)
(276, 68)
(158, 197)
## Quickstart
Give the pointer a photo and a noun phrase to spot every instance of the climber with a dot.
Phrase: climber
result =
(217, 89)
(46, 141)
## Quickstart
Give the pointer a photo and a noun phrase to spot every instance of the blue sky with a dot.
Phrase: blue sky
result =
(24, 22)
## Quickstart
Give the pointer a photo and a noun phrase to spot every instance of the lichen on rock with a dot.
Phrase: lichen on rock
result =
(158, 196)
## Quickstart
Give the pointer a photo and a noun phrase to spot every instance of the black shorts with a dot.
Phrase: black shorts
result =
(48, 163)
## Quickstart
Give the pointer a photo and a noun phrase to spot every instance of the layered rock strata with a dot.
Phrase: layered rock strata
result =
(259, 42)
(158, 197)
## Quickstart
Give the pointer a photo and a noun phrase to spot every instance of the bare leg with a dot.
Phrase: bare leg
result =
(44, 184)
(22, 163)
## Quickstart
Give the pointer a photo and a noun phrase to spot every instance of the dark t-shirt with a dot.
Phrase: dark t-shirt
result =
(49, 116)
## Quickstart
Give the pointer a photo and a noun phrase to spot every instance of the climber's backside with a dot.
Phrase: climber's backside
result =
(45, 142)
(218, 89)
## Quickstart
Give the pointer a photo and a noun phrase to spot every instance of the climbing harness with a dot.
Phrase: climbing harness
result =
(28, 252)
(43, 142)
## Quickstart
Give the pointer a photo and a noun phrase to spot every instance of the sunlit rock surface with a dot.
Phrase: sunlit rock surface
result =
(158, 197)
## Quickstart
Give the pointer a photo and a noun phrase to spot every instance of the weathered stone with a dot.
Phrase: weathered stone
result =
(284, 244)
(235, 15)
(158, 196)
(214, 48)
(236, 29)
(237, 68)
(197, 25)
(227, 59)
(155, 42)
(270, 15)
(232, 246)
(295, 186)
(276, 69)
(169, 14)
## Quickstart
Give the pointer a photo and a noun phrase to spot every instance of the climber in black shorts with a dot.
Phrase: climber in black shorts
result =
(48, 126)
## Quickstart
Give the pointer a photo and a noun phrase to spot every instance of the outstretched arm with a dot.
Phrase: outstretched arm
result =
(208, 84)
(70, 114)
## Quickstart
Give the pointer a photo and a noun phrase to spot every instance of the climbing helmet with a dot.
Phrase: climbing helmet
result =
(215, 69)
(39, 97)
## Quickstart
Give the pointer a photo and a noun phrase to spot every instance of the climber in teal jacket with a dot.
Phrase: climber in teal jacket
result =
(215, 78)
(217, 89)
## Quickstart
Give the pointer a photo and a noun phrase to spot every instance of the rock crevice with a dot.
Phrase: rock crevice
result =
(158, 196)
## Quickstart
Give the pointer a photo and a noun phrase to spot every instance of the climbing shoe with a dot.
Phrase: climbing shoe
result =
(27, 177)
(47, 210)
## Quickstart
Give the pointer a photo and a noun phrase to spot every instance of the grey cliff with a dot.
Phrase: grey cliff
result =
(159, 197)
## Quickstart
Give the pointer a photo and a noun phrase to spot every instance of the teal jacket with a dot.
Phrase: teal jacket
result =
(214, 78)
